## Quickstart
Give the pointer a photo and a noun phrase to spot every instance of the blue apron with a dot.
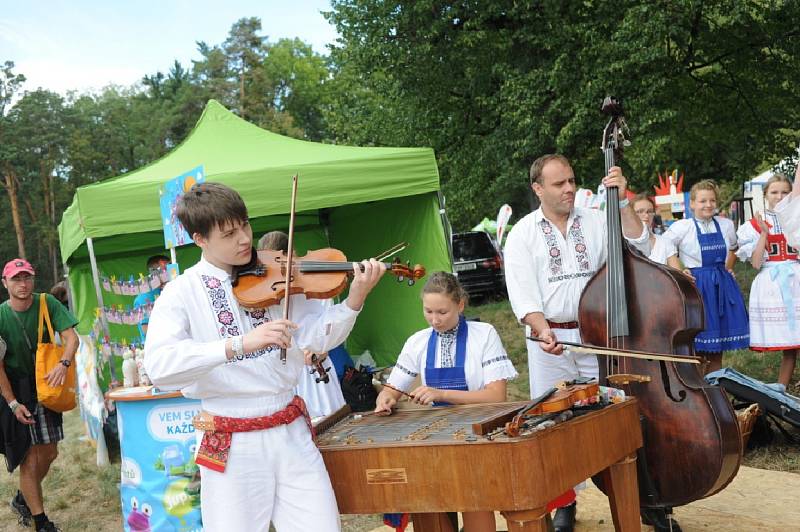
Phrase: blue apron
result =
(727, 326)
(447, 378)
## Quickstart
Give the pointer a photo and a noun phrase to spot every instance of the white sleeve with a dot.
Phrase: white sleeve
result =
(172, 359)
(521, 284)
(496, 364)
(729, 233)
(747, 237)
(321, 326)
(407, 367)
(670, 250)
(788, 211)
(676, 232)
(641, 242)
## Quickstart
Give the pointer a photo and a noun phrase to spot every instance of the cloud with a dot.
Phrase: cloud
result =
(61, 77)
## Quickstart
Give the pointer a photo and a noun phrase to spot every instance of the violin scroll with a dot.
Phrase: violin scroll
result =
(319, 369)
(404, 272)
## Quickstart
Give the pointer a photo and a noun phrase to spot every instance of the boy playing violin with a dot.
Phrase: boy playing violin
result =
(259, 463)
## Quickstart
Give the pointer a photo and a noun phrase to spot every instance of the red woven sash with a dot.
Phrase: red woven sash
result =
(216, 443)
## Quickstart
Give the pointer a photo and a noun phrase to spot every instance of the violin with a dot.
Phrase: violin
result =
(320, 274)
(556, 399)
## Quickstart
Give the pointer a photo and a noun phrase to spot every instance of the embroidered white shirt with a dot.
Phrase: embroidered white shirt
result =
(662, 250)
(546, 272)
(747, 236)
(485, 360)
(683, 235)
(185, 344)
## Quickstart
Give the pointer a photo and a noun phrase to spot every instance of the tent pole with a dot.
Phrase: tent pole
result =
(70, 295)
(99, 293)
(448, 229)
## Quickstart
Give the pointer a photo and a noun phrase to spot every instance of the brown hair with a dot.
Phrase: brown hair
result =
(705, 184)
(777, 178)
(59, 291)
(446, 284)
(539, 164)
(275, 241)
(644, 196)
(208, 205)
(153, 262)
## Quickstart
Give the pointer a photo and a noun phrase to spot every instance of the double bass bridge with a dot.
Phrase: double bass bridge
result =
(620, 379)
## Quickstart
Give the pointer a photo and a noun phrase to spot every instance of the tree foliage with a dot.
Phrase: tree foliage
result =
(492, 85)
(708, 87)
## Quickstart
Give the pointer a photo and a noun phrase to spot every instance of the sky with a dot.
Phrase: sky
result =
(85, 45)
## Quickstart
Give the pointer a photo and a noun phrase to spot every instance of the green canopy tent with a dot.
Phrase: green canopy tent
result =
(359, 200)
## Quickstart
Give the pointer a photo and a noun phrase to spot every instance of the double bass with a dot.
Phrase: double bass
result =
(692, 447)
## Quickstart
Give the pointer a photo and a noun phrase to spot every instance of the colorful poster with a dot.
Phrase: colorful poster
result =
(169, 194)
(160, 482)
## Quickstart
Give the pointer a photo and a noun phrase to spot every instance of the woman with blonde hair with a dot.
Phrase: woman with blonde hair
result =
(706, 245)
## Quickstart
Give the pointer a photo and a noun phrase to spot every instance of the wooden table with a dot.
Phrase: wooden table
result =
(423, 474)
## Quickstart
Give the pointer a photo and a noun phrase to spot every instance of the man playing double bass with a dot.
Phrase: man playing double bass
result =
(550, 256)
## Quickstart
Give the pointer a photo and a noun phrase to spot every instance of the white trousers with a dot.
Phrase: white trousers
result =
(546, 370)
(275, 475)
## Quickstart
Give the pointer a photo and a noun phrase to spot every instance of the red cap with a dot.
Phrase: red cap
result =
(13, 267)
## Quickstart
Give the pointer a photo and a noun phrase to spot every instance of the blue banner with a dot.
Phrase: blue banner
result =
(160, 483)
(169, 194)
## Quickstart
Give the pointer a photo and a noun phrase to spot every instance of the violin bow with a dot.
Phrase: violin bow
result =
(608, 351)
(289, 257)
(391, 251)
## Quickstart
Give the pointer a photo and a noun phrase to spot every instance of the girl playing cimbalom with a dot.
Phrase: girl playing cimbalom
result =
(460, 362)
(706, 245)
(775, 293)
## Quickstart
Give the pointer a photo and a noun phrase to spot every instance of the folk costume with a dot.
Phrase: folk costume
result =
(703, 247)
(788, 211)
(546, 272)
(775, 292)
(467, 358)
(275, 474)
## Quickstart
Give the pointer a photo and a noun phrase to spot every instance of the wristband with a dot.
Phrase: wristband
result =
(623, 203)
(13, 405)
(237, 346)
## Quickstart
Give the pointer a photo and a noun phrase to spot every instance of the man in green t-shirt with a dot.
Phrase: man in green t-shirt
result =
(35, 449)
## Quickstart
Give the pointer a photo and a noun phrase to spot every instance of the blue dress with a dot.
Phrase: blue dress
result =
(727, 325)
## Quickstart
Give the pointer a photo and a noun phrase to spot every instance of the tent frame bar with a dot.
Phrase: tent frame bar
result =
(99, 293)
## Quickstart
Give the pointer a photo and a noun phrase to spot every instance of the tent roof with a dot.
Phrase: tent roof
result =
(259, 165)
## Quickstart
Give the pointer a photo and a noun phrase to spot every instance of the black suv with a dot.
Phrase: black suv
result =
(478, 265)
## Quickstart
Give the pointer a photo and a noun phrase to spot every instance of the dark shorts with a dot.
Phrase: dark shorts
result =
(48, 426)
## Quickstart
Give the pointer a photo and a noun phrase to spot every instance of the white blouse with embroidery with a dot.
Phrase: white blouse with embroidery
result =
(747, 236)
(546, 272)
(683, 234)
(189, 324)
(485, 360)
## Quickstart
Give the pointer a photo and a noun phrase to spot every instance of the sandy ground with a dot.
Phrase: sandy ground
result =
(756, 501)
